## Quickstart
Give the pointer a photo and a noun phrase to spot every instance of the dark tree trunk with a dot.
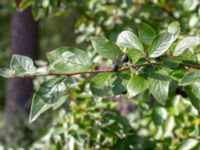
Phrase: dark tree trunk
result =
(24, 41)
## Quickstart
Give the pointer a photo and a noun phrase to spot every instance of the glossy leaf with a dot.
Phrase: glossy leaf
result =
(105, 48)
(46, 96)
(128, 39)
(174, 29)
(70, 60)
(22, 64)
(190, 78)
(169, 125)
(159, 87)
(188, 144)
(186, 43)
(136, 85)
(146, 33)
(160, 44)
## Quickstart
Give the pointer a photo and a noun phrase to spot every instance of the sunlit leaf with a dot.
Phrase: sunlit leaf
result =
(22, 64)
(159, 87)
(186, 43)
(160, 44)
(128, 39)
(6, 73)
(136, 85)
(188, 144)
(46, 96)
(69, 60)
(174, 29)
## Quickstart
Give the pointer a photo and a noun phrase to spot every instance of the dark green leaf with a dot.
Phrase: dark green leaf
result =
(101, 84)
(120, 83)
(193, 92)
(146, 33)
(190, 77)
(105, 48)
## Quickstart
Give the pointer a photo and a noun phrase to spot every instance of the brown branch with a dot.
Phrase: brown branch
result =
(88, 72)
(103, 71)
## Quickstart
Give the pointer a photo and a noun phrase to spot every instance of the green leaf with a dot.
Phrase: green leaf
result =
(127, 39)
(46, 96)
(105, 48)
(6, 73)
(120, 83)
(174, 29)
(190, 78)
(101, 84)
(146, 33)
(22, 65)
(159, 87)
(134, 55)
(159, 115)
(136, 85)
(186, 43)
(169, 125)
(190, 4)
(160, 44)
(193, 92)
(70, 60)
(188, 144)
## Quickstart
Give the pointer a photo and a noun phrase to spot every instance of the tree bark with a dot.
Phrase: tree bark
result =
(24, 41)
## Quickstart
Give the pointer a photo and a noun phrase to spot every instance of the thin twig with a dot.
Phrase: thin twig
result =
(102, 71)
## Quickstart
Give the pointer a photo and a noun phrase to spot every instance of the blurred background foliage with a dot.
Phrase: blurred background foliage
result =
(121, 122)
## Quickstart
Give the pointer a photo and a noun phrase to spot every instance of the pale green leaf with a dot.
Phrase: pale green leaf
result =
(159, 115)
(169, 125)
(105, 48)
(159, 87)
(46, 96)
(188, 144)
(22, 65)
(6, 73)
(136, 85)
(190, 4)
(128, 39)
(160, 44)
(146, 33)
(69, 60)
(174, 29)
(186, 43)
